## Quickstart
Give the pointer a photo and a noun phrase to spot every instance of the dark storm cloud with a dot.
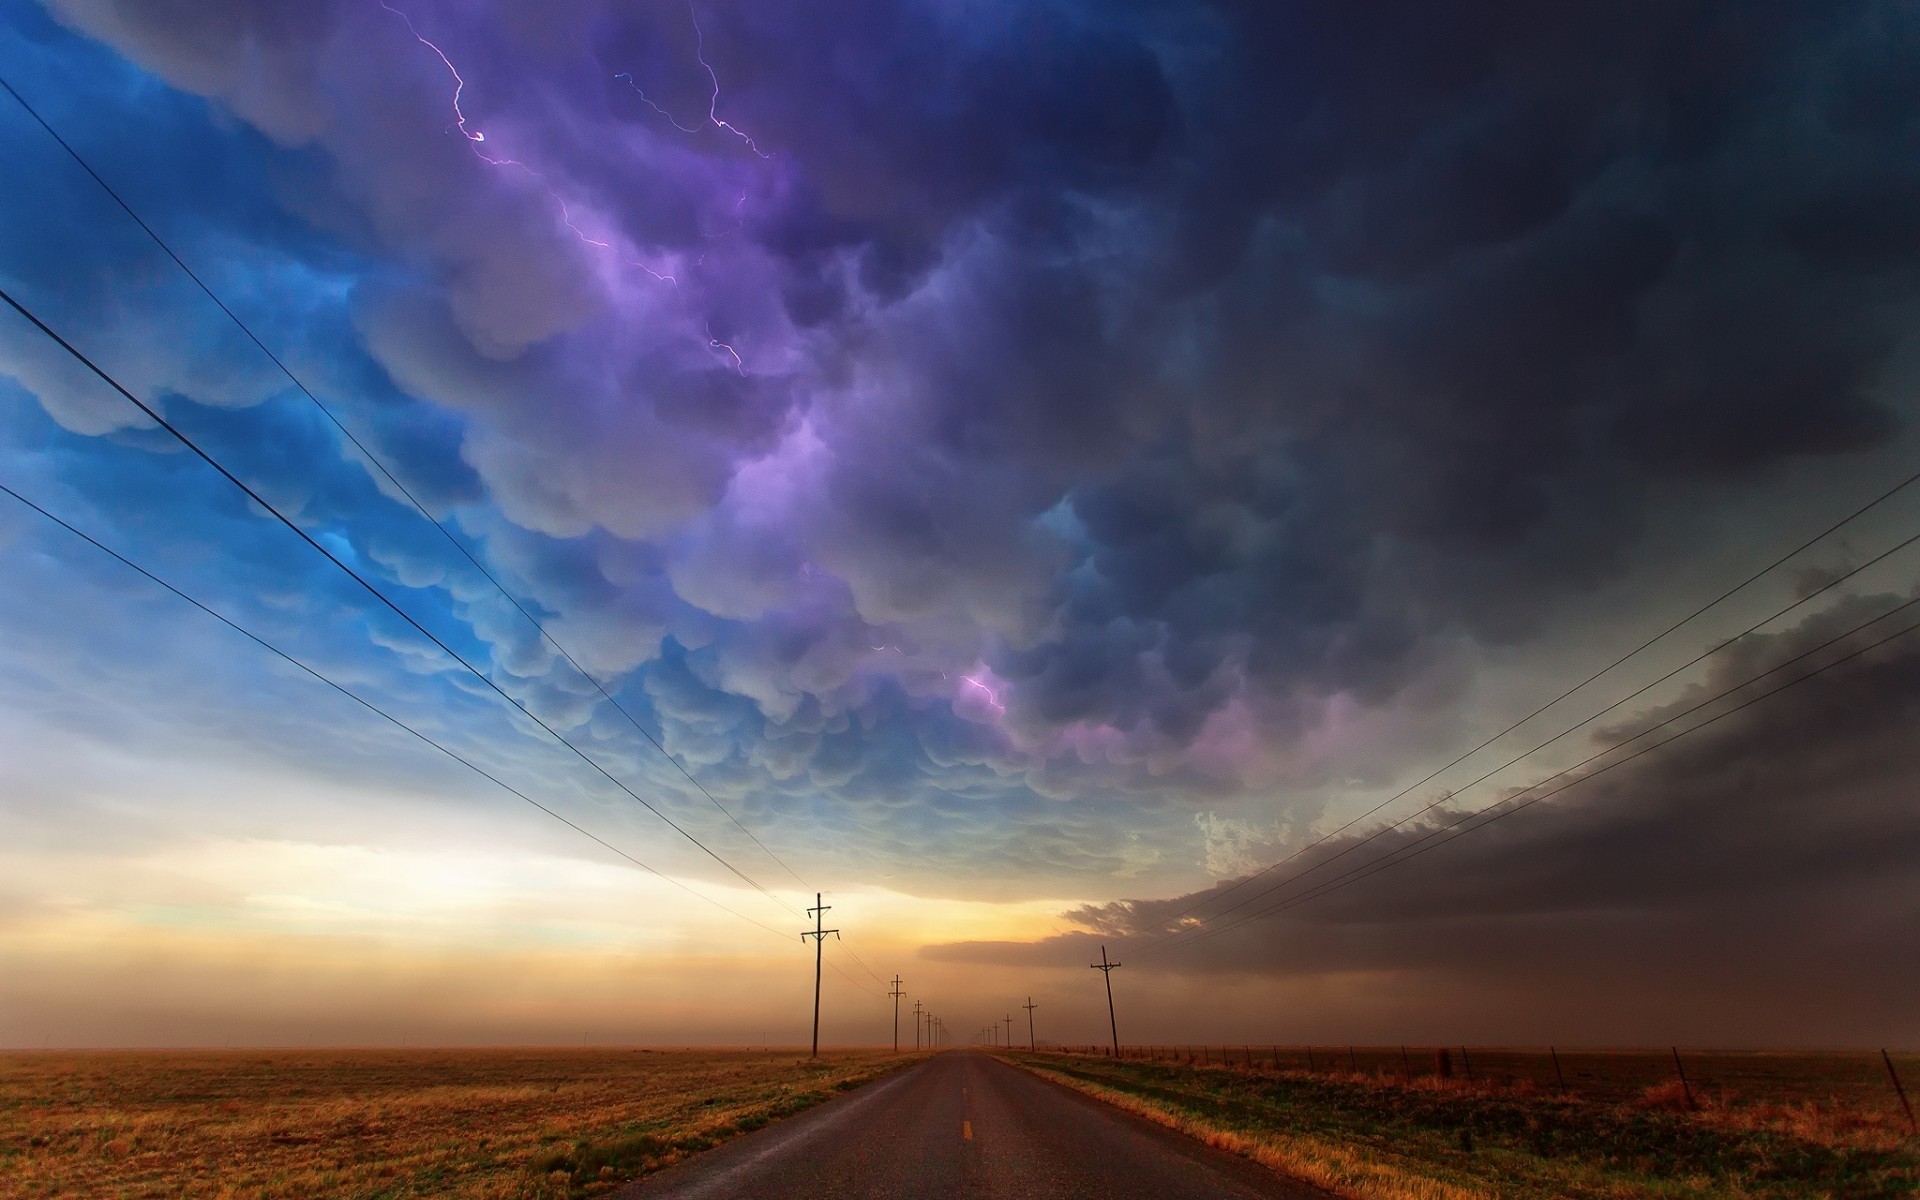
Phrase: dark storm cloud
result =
(1756, 872)
(1121, 387)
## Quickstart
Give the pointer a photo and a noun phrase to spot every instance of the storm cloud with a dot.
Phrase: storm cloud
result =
(1752, 876)
(986, 436)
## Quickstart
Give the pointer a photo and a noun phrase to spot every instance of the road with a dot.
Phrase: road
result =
(965, 1124)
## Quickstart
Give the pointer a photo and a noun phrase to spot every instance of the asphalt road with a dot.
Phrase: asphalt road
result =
(964, 1124)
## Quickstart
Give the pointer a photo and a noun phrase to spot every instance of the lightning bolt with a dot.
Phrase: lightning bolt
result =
(476, 138)
(713, 98)
(713, 101)
(715, 343)
(648, 101)
(992, 697)
(459, 84)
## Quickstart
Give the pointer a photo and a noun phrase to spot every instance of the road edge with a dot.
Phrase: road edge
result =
(632, 1185)
(1335, 1169)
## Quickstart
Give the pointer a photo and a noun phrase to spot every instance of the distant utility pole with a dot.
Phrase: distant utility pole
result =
(1009, 1020)
(916, 1024)
(1033, 1043)
(1106, 969)
(896, 993)
(819, 936)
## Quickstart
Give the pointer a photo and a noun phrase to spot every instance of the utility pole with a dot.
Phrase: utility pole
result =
(1107, 969)
(916, 1025)
(819, 936)
(1009, 1020)
(896, 993)
(1033, 1043)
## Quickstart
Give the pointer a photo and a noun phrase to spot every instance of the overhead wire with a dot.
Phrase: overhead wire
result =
(1510, 804)
(400, 486)
(370, 706)
(364, 583)
(388, 474)
(1535, 749)
(1648, 644)
(863, 965)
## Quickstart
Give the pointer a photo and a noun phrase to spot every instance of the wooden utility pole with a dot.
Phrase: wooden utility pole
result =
(1107, 969)
(896, 993)
(1033, 1043)
(819, 936)
(1009, 1020)
(916, 1024)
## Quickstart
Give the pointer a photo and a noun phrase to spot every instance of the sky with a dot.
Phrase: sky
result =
(1044, 475)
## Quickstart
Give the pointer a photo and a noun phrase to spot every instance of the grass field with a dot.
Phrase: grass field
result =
(262, 1125)
(1761, 1126)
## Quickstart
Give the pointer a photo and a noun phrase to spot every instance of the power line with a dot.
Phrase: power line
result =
(1383, 830)
(1425, 843)
(1872, 504)
(863, 964)
(855, 984)
(302, 534)
(390, 477)
(1409, 851)
(370, 706)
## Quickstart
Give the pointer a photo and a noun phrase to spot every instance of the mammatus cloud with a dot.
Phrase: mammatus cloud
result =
(1053, 423)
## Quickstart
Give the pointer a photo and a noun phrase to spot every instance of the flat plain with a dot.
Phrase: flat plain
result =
(563, 1124)
(532, 1124)
(1379, 1124)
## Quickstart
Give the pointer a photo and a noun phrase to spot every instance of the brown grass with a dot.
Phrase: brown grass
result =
(462, 1124)
(1384, 1136)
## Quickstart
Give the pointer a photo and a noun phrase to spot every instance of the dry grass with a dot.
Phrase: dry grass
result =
(1378, 1136)
(462, 1124)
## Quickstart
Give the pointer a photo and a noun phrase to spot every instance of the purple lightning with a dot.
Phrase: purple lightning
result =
(459, 84)
(475, 138)
(648, 101)
(713, 102)
(986, 691)
(713, 99)
(716, 344)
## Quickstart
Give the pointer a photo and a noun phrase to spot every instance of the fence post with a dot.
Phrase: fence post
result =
(1898, 1090)
(1352, 1061)
(1312, 1068)
(1556, 1069)
(1685, 1087)
(1406, 1063)
(1466, 1062)
(1276, 1058)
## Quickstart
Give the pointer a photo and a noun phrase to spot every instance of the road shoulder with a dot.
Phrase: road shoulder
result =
(1318, 1167)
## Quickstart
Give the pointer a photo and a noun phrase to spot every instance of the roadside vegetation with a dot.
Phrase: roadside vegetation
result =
(387, 1124)
(1386, 1136)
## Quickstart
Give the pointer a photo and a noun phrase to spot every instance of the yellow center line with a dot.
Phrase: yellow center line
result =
(966, 1131)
